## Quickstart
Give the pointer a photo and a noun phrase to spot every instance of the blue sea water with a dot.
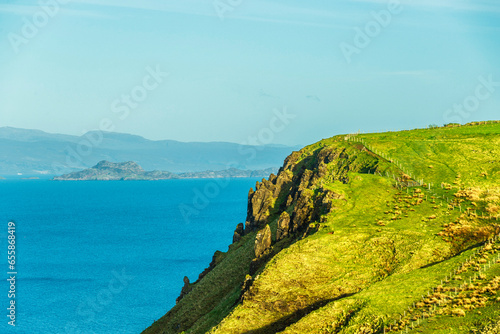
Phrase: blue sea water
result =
(109, 257)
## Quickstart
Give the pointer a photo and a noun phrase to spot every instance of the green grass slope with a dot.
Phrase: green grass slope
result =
(388, 232)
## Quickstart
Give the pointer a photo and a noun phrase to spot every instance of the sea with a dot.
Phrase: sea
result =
(108, 256)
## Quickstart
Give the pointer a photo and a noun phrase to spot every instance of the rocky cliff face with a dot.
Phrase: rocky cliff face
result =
(297, 190)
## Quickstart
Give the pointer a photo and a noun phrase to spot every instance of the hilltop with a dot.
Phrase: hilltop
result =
(127, 171)
(362, 233)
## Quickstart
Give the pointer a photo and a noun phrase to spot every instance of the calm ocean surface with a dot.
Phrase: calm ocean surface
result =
(109, 257)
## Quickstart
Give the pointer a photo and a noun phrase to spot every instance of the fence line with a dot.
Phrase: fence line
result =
(452, 294)
(408, 184)
(417, 183)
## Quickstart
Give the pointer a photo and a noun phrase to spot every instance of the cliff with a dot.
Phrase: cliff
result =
(366, 233)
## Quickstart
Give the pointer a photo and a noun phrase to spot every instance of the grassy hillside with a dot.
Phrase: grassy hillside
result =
(371, 233)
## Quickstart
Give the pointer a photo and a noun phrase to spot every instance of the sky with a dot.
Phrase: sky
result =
(263, 72)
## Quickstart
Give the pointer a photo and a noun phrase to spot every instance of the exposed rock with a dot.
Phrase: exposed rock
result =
(283, 183)
(185, 289)
(236, 237)
(283, 226)
(310, 207)
(238, 233)
(295, 183)
(303, 209)
(272, 177)
(248, 226)
(245, 287)
(326, 155)
(262, 201)
(239, 229)
(305, 179)
(263, 241)
(291, 161)
(259, 204)
(324, 204)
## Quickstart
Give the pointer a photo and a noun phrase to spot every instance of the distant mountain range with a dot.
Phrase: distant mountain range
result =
(37, 152)
(127, 171)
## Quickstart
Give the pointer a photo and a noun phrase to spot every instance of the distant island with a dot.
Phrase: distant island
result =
(130, 171)
(34, 152)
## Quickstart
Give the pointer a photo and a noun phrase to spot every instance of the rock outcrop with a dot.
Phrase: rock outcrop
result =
(185, 289)
(283, 226)
(263, 241)
(238, 233)
(260, 202)
(297, 186)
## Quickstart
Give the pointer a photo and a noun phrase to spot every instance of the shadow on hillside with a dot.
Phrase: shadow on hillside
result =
(281, 324)
(454, 255)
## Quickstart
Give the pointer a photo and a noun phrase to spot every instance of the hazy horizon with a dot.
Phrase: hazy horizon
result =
(144, 137)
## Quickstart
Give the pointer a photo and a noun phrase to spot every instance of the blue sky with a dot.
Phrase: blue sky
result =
(232, 64)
